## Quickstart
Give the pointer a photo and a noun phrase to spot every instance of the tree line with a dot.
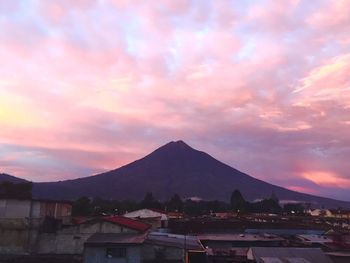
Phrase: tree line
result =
(98, 206)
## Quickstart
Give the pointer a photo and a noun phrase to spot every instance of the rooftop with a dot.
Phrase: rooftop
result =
(115, 238)
(128, 222)
(239, 237)
(173, 240)
(315, 238)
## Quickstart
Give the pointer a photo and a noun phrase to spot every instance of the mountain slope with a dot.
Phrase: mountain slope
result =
(174, 168)
(9, 178)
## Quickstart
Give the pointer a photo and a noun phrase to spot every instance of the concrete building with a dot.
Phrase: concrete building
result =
(71, 239)
(340, 213)
(114, 248)
(33, 208)
(162, 247)
(136, 248)
(22, 220)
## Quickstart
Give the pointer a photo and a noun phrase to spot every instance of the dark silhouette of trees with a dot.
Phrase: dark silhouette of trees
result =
(294, 209)
(97, 206)
(150, 202)
(237, 202)
(16, 190)
(175, 204)
(82, 207)
(265, 206)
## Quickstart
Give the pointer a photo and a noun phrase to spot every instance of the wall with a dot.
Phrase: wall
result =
(230, 244)
(54, 209)
(149, 252)
(98, 255)
(12, 208)
(18, 236)
(71, 240)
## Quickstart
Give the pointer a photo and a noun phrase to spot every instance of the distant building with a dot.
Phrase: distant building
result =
(320, 212)
(340, 213)
(158, 218)
(287, 255)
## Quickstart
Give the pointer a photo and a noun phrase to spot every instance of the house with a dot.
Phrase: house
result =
(34, 208)
(287, 255)
(340, 213)
(175, 215)
(71, 239)
(225, 215)
(157, 218)
(114, 247)
(163, 247)
(21, 220)
(320, 212)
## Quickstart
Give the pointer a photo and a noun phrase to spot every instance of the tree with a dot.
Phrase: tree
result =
(274, 197)
(150, 202)
(19, 191)
(82, 207)
(237, 201)
(175, 204)
(294, 208)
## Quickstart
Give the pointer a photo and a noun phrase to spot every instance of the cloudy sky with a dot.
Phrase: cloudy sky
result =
(87, 86)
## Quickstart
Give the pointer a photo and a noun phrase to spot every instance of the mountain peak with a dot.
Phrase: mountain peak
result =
(181, 145)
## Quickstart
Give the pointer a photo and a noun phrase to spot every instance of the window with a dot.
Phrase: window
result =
(117, 252)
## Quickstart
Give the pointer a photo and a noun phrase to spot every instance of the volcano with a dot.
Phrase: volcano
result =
(174, 168)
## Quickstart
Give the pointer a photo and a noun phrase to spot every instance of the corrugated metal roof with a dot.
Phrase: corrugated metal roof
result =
(172, 240)
(315, 238)
(289, 255)
(115, 238)
(271, 260)
(239, 237)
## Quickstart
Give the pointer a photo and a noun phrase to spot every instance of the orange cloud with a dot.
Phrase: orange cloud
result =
(326, 179)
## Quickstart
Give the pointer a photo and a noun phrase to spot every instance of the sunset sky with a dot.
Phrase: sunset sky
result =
(264, 86)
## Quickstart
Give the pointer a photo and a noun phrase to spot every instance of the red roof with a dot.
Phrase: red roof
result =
(127, 222)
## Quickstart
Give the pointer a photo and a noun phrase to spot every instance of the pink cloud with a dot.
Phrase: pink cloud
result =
(91, 86)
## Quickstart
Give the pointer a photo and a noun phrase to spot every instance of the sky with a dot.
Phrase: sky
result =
(264, 86)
